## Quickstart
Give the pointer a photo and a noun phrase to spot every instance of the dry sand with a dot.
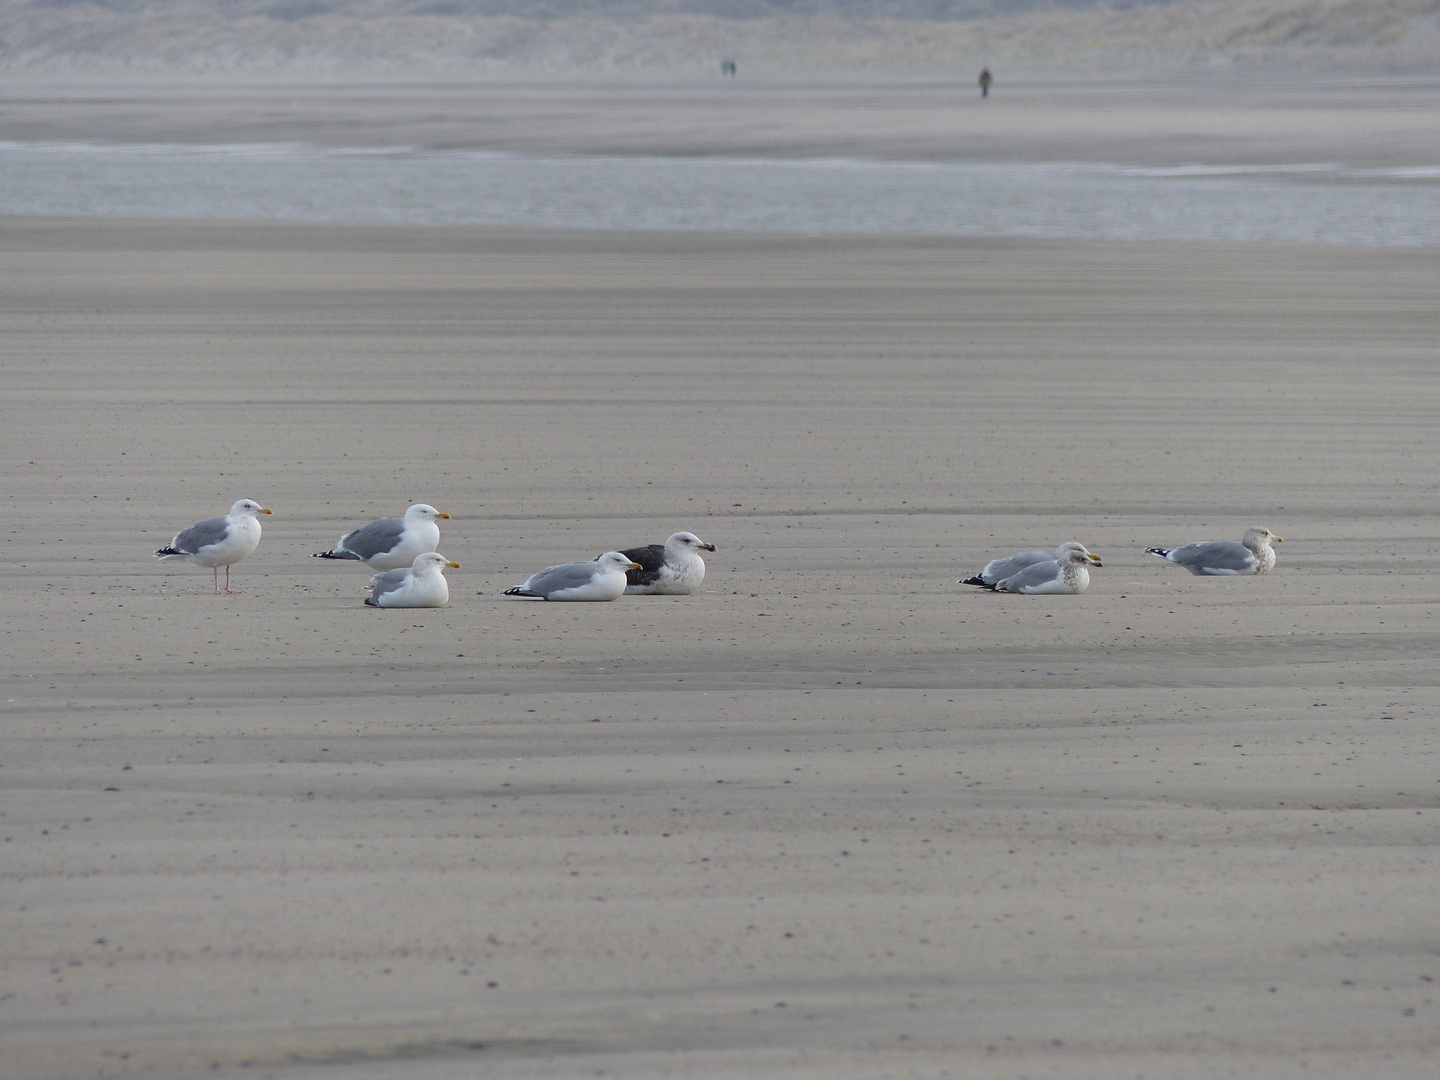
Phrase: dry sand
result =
(833, 816)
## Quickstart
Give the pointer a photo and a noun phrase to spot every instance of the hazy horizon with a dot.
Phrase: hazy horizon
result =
(340, 39)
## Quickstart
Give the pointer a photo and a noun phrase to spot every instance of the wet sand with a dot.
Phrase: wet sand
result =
(834, 815)
(1222, 117)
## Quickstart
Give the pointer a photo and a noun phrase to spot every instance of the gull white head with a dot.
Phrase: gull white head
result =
(1073, 551)
(247, 508)
(687, 541)
(1258, 535)
(614, 560)
(432, 562)
(424, 512)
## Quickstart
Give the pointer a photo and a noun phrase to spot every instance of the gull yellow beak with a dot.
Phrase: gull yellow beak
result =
(452, 564)
(1277, 539)
(632, 566)
(265, 510)
(444, 515)
(1094, 558)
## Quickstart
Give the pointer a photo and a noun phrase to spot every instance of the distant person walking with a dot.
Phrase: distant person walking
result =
(985, 80)
(727, 67)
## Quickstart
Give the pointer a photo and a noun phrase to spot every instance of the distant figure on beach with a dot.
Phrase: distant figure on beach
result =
(727, 67)
(985, 80)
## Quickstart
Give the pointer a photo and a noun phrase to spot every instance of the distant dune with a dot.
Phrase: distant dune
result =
(458, 39)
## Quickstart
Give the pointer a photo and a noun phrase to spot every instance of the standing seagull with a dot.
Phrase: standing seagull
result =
(218, 541)
(1068, 574)
(603, 579)
(997, 570)
(390, 543)
(673, 568)
(1252, 554)
(422, 585)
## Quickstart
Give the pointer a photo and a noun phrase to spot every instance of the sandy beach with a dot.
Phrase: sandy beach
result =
(832, 816)
(1217, 118)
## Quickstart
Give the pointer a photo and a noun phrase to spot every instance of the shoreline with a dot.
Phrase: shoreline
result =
(1148, 123)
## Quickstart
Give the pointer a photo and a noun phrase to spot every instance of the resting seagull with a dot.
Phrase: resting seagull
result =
(603, 579)
(997, 570)
(1067, 574)
(422, 585)
(390, 543)
(1252, 554)
(218, 541)
(673, 568)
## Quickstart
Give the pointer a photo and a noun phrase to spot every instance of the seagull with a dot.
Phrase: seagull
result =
(1252, 554)
(997, 570)
(218, 541)
(422, 584)
(673, 568)
(603, 579)
(1068, 574)
(390, 543)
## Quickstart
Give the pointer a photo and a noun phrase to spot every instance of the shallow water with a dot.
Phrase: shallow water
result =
(1302, 203)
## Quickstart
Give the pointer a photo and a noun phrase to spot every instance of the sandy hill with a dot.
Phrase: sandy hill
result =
(460, 39)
